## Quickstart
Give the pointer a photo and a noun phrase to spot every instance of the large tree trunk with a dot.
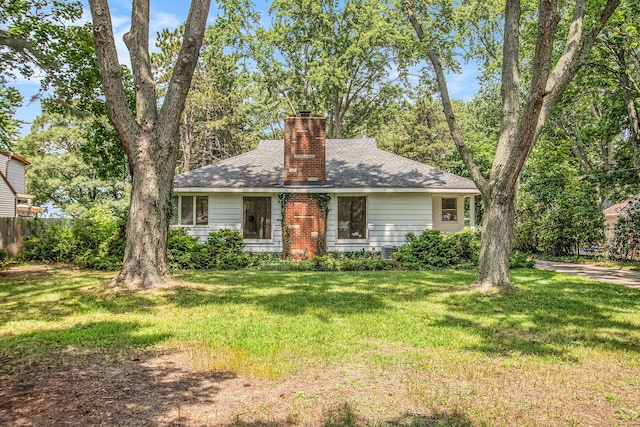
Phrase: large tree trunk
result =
(145, 263)
(521, 123)
(151, 136)
(497, 223)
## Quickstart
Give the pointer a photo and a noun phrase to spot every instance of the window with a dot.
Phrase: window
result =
(352, 217)
(190, 207)
(202, 210)
(450, 209)
(256, 219)
(186, 210)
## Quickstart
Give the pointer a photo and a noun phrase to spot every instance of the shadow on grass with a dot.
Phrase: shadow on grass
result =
(337, 293)
(549, 315)
(120, 336)
(94, 388)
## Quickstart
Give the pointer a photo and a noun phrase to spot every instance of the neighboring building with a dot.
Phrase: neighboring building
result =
(339, 194)
(613, 213)
(13, 200)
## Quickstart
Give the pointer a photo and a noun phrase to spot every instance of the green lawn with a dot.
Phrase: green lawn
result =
(561, 351)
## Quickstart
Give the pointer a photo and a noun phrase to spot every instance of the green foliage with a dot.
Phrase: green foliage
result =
(60, 173)
(39, 38)
(625, 243)
(10, 100)
(432, 249)
(331, 57)
(557, 211)
(519, 259)
(223, 250)
(350, 261)
(96, 241)
(218, 121)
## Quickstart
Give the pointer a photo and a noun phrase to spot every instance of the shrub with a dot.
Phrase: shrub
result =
(520, 260)
(350, 261)
(625, 243)
(223, 250)
(93, 242)
(432, 249)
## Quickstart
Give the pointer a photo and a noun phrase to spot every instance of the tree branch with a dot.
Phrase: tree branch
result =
(456, 135)
(183, 71)
(137, 41)
(111, 75)
(577, 49)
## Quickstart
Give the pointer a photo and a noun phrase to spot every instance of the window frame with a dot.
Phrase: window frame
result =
(365, 220)
(270, 220)
(453, 212)
(176, 218)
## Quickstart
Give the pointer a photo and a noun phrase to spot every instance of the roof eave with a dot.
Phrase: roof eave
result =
(283, 189)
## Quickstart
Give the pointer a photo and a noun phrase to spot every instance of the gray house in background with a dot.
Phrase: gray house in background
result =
(338, 195)
(13, 200)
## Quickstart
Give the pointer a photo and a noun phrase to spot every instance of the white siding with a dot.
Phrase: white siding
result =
(448, 226)
(225, 212)
(390, 216)
(7, 200)
(16, 176)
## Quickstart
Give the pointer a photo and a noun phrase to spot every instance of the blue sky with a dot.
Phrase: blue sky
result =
(170, 14)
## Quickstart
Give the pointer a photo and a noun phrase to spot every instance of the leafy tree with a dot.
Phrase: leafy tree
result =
(59, 174)
(625, 243)
(217, 122)
(332, 57)
(416, 130)
(39, 36)
(150, 137)
(557, 211)
(556, 40)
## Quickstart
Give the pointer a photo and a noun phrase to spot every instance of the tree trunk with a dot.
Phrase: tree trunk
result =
(497, 224)
(632, 111)
(145, 263)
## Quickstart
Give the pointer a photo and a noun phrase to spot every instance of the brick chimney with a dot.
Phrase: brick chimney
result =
(305, 141)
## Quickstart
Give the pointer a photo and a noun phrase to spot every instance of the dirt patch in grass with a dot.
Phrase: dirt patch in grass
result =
(162, 388)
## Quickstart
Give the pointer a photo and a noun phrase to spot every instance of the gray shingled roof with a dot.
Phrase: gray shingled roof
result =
(351, 163)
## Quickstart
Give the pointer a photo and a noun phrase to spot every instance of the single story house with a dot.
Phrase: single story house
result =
(13, 200)
(306, 194)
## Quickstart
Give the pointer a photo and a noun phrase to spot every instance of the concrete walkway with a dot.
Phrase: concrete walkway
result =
(603, 274)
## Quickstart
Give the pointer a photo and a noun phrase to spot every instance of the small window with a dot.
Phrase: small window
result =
(186, 210)
(256, 221)
(449, 209)
(352, 217)
(202, 210)
(191, 208)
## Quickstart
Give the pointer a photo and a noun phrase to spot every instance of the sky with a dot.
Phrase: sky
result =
(171, 14)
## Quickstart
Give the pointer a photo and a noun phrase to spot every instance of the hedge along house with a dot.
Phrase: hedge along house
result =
(307, 195)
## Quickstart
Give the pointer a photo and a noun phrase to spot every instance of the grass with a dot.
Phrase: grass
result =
(561, 351)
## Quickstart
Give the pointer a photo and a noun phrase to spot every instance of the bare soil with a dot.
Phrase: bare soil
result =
(162, 389)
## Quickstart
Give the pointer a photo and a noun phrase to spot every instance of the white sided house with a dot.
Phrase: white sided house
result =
(13, 200)
(307, 194)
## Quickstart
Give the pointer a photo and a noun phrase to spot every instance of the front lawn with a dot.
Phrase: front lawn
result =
(317, 348)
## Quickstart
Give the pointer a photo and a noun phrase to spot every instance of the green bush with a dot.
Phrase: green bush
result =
(93, 242)
(223, 250)
(432, 249)
(350, 261)
(625, 243)
(520, 260)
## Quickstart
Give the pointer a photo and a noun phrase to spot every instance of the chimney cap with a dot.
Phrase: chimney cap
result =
(304, 113)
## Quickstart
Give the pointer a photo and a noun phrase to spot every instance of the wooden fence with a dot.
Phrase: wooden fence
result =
(13, 231)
